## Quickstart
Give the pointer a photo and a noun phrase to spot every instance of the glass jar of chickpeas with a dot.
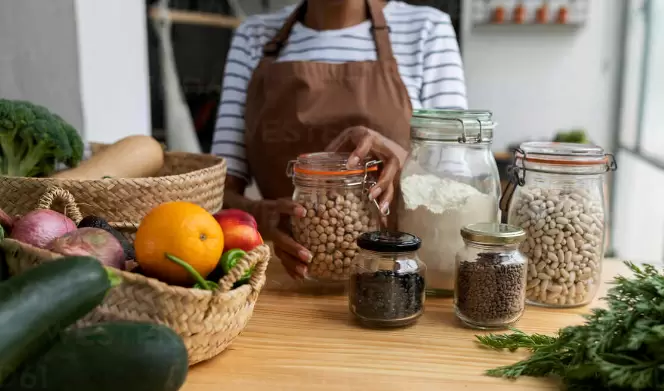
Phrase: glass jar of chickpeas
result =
(338, 211)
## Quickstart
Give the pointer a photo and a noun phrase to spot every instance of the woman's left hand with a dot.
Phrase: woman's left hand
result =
(364, 142)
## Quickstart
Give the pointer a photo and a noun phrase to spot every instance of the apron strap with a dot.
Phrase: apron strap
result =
(274, 46)
(380, 29)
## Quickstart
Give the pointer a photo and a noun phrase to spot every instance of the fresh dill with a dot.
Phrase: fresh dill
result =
(617, 348)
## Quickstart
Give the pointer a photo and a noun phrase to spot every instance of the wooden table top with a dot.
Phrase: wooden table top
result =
(299, 341)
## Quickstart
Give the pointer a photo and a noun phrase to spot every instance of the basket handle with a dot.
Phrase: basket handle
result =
(57, 193)
(258, 257)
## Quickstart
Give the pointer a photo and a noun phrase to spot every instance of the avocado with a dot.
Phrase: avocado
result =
(98, 222)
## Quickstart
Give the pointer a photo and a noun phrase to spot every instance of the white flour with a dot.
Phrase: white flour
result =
(435, 209)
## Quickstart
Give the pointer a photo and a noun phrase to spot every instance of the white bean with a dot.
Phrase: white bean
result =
(565, 235)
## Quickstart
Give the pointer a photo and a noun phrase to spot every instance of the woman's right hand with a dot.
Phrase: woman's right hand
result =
(273, 218)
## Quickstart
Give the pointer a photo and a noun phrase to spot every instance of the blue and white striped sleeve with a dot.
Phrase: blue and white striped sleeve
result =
(443, 82)
(228, 141)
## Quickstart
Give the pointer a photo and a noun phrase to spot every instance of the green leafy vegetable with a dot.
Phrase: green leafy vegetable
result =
(617, 348)
(33, 140)
(573, 136)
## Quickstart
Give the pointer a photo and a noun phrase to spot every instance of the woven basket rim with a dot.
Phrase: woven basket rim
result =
(218, 161)
(139, 278)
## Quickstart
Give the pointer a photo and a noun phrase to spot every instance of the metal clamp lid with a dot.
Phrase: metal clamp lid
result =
(367, 184)
(516, 172)
(476, 126)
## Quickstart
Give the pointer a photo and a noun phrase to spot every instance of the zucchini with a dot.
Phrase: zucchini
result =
(37, 304)
(124, 356)
(4, 268)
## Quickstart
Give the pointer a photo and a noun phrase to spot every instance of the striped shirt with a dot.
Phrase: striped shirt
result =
(424, 45)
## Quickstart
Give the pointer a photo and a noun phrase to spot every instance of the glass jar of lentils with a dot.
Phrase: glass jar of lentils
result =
(490, 278)
(387, 280)
(558, 199)
(338, 211)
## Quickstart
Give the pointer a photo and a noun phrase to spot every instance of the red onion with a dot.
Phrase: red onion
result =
(94, 242)
(6, 220)
(41, 226)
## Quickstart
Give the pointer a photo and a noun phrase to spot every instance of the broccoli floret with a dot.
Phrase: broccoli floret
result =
(33, 140)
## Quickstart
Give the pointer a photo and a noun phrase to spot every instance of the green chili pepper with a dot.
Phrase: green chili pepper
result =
(113, 277)
(200, 281)
(230, 258)
(210, 286)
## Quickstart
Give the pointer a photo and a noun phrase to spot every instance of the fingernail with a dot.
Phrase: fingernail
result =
(375, 192)
(353, 161)
(300, 211)
(304, 255)
(384, 206)
(301, 270)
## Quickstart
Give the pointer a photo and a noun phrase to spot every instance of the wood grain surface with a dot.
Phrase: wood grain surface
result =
(302, 340)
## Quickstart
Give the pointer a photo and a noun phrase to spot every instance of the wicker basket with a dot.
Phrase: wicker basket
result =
(124, 201)
(207, 321)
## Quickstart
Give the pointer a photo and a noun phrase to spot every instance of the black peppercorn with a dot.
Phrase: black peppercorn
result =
(386, 296)
(387, 285)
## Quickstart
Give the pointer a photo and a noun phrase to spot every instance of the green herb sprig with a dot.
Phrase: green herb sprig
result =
(617, 348)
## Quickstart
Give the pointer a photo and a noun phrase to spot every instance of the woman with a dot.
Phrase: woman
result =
(328, 74)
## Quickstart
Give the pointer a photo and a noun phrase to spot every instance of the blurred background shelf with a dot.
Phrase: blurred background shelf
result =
(198, 18)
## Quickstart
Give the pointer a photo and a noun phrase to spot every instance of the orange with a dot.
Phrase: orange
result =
(184, 230)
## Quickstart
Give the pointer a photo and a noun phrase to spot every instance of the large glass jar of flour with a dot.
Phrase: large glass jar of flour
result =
(558, 200)
(449, 180)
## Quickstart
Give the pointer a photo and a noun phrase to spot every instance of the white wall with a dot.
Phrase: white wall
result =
(38, 55)
(85, 60)
(113, 63)
(540, 79)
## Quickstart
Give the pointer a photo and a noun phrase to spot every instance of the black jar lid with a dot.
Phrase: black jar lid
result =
(389, 242)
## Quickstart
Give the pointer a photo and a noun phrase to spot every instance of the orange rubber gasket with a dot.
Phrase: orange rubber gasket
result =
(334, 173)
(565, 162)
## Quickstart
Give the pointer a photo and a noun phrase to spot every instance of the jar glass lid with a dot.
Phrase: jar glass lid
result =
(561, 153)
(388, 242)
(464, 126)
(328, 164)
(493, 233)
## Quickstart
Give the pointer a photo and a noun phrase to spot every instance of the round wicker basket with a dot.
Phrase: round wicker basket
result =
(124, 201)
(207, 321)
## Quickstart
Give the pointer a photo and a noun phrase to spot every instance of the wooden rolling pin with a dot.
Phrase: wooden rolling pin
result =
(130, 157)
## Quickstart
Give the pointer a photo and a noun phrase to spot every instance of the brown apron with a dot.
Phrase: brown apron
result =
(300, 107)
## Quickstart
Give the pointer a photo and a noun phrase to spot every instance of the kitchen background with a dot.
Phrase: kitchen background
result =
(96, 63)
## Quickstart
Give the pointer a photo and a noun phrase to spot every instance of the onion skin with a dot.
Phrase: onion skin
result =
(39, 227)
(94, 242)
(6, 220)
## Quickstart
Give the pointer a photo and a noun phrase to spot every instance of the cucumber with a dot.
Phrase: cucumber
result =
(125, 356)
(37, 304)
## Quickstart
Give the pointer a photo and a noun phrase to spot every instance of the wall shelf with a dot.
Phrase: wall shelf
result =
(198, 18)
(484, 12)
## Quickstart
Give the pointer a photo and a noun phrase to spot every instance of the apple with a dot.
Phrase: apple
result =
(240, 236)
(240, 230)
(236, 215)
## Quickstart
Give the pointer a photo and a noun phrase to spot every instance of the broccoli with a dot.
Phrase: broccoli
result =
(33, 140)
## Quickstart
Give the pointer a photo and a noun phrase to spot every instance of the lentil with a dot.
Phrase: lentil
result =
(490, 290)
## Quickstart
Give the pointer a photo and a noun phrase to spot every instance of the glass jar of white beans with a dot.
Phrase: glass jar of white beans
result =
(558, 199)
(338, 211)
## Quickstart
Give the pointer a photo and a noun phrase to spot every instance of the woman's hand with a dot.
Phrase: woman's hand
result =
(273, 218)
(364, 142)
